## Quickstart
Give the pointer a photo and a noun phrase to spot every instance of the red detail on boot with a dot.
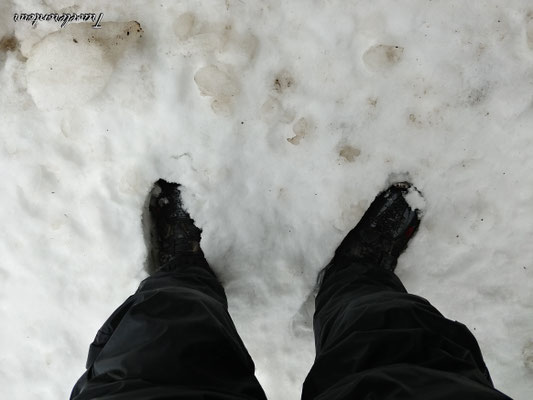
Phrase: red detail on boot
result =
(410, 232)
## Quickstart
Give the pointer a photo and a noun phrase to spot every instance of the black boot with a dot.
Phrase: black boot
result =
(381, 235)
(173, 234)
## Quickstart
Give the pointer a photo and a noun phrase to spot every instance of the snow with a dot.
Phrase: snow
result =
(282, 120)
(416, 201)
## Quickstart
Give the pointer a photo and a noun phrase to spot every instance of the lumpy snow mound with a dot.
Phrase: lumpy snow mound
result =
(76, 63)
(282, 120)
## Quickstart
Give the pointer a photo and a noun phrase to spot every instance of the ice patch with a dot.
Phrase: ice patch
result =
(300, 129)
(61, 74)
(215, 83)
(382, 56)
(69, 67)
(219, 85)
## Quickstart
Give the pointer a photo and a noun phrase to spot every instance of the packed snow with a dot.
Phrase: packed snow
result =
(282, 120)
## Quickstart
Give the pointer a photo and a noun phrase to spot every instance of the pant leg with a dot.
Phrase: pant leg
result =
(375, 341)
(173, 338)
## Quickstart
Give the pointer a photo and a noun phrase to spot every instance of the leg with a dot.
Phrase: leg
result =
(373, 339)
(172, 339)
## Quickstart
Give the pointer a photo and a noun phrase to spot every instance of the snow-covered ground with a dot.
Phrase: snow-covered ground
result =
(283, 120)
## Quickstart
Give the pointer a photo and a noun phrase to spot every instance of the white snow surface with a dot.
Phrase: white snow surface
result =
(282, 120)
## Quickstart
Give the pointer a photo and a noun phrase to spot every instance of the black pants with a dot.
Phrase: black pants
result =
(174, 339)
